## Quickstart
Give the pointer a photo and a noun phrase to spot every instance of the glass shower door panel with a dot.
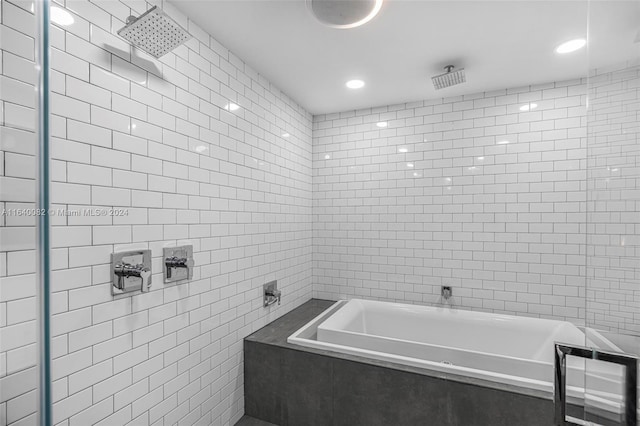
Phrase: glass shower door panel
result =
(613, 204)
(18, 304)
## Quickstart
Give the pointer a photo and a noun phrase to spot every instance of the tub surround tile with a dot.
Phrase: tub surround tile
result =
(287, 387)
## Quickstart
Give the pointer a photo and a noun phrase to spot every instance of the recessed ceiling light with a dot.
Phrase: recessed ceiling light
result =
(403, 150)
(571, 45)
(528, 107)
(327, 157)
(382, 124)
(410, 165)
(231, 107)
(355, 84)
(285, 135)
(503, 142)
(201, 148)
(61, 16)
(480, 158)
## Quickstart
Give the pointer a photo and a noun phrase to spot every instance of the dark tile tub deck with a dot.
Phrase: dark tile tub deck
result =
(290, 385)
(252, 421)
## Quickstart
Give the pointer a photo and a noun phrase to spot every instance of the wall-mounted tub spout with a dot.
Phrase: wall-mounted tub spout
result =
(446, 292)
(271, 293)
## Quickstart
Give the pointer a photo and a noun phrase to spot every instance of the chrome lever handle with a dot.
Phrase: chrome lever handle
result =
(272, 296)
(177, 262)
(126, 270)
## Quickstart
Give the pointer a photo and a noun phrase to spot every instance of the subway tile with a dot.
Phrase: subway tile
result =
(93, 175)
(109, 81)
(73, 404)
(69, 64)
(112, 385)
(88, 133)
(132, 180)
(67, 107)
(17, 43)
(89, 336)
(110, 119)
(97, 411)
(85, 378)
(89, 93)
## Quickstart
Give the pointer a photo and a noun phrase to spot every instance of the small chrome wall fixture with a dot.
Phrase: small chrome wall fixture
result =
(446, 292)
(131, 271)
(271, 293)
(178, 263)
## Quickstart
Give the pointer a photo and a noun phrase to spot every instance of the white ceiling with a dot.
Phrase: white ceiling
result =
(500, 44)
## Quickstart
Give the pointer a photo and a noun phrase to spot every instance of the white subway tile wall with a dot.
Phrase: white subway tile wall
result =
(613, 244)
(151, 138)
(485, 193)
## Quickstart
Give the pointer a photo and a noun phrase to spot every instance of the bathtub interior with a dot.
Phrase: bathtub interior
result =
(493, 350)
(501, 335)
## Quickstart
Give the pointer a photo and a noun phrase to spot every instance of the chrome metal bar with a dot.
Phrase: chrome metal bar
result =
(42, 204)
(630, 389)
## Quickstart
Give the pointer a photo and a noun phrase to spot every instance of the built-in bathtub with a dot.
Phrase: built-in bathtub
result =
(512, 350)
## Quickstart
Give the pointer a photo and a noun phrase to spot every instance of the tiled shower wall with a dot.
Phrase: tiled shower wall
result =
(469, 192)
(613, 268)
(162, 142)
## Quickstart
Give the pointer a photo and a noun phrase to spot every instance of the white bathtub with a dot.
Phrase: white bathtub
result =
(516, 351)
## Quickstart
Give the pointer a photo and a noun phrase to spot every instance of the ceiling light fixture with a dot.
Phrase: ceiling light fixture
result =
(355, 84)
(285, 135)
(571, 46)
(382, 124)
(231, 107)
(344, 14)
(403, 150)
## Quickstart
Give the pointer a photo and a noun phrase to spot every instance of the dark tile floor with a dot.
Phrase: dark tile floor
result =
(251, 421)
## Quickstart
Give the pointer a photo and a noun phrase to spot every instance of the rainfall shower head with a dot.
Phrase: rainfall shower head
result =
(450, 78)
(154, 32)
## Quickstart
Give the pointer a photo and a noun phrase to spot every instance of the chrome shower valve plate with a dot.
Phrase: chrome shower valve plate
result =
(177, 263)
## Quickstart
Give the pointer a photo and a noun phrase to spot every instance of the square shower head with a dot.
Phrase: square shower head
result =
(450, 78)
(154, 32)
